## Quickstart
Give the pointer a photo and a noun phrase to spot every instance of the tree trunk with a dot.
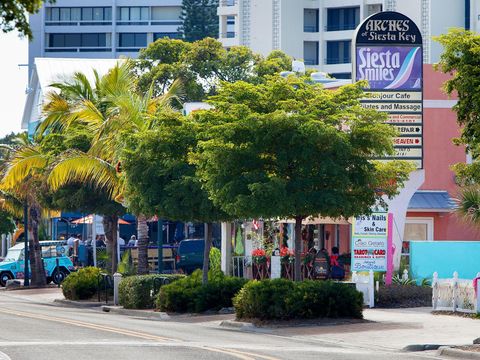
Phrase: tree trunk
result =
(110, 226)
(142, 233)
(298, 244)
(37, 270)
(206, 252)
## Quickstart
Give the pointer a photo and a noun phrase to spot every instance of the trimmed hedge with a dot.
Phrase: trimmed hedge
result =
(82, 284)
(402, 296)
(189, 295)
(137, 292)
(283, 299)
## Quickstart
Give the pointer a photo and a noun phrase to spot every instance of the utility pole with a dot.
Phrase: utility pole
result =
(26, 251)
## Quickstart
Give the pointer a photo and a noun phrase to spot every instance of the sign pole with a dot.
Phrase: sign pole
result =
(388, 277)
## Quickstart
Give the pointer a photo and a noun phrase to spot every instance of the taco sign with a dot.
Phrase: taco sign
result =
(388, 54)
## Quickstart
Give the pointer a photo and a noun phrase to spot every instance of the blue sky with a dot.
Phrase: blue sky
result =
(13, 81)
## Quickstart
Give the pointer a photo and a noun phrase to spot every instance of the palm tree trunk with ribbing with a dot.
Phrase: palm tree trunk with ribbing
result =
(37, 269)
(110, 225)
(206, 252)
(298, 248)
(142, 233)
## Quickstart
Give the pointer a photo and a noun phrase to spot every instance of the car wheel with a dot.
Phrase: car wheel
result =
(4, 277)
(58, 276)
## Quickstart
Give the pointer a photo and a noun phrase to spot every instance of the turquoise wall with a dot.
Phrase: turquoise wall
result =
(444, 257)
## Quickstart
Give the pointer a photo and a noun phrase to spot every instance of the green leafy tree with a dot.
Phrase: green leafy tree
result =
(199, 19)
(461, 60)
(290, 149)
(14, 14)
(159, 179)
(202, 65)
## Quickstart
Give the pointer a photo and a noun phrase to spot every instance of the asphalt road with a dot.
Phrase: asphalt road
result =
(32, 327)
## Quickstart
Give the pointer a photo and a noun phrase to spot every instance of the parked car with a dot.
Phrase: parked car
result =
(190, 255)
(13, 266)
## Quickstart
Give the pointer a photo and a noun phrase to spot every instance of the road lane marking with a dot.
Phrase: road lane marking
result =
(88, 325)
(4, 356)
(234, 353)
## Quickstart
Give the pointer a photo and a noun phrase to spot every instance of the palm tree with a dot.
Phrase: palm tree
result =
(23, 173)
(468, 205)
(107, 108)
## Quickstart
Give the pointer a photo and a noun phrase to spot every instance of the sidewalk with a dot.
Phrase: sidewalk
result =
(395, 329)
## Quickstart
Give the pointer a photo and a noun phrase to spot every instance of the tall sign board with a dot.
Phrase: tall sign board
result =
(388, 53)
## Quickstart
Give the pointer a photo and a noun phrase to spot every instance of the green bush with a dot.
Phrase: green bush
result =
(138, 292)
(189, 295)
(82, 284)
(282, 299)
(397, 296)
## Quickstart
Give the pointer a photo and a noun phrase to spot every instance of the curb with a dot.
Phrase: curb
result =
(77, 304)
(136, 313)
(458, 354)
(242, 326)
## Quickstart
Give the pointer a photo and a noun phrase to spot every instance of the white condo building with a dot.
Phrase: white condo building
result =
(101, 28)
(320, 31)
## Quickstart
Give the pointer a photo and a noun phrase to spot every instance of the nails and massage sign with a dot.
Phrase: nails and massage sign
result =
(372, 242)
(388, 53)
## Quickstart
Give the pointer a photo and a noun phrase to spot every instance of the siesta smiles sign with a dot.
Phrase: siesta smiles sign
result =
(388, 54)
(390, 68)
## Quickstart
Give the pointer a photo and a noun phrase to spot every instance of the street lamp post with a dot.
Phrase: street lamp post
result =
(26, 251)
(160, 245)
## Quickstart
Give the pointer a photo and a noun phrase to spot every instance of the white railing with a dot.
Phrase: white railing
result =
(365, 285)
(454, 294)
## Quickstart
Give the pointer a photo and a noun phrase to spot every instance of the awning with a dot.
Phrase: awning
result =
(433, 201)
(89, 220)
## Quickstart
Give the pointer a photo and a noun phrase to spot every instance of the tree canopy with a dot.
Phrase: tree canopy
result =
(14, 14)
(287, 148)
(461, 60)
(202, 65)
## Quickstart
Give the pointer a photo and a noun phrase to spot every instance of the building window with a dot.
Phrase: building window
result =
(79, 42)
(416, 229)
(310, 52)
(170, 35)
(310, 20)
(132, 41)
(343, 18)
(73, 15)
(338, 52)
(166, 15)
(341, 75)
(134, 15)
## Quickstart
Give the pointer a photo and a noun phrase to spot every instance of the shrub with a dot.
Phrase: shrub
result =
(283, 299)
(396, 296)
(138, 292)
(189, 295)
(82, 284)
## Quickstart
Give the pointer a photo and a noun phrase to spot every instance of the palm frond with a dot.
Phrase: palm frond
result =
(11, 204)
(75, 167)
(25, 161)
(468, 205)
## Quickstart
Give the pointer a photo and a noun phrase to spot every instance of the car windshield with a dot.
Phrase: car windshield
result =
(14, 255)
(191, 246)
